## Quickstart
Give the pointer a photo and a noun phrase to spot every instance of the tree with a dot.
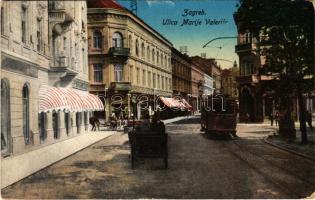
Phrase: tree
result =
(284, 30)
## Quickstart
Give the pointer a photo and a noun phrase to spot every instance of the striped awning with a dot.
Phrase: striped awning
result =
(67, 99)
(186, 104)
(172, 103)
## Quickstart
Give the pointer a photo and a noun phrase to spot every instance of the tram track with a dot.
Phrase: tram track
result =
(278, 175)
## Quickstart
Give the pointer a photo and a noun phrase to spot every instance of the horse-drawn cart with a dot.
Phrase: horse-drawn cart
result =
(149, 142)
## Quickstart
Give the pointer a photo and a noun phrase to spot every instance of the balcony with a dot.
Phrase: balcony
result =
(64, 70)
(247, 79)
(59, 20)
(120, 86)
(243, 47)
(119, 52)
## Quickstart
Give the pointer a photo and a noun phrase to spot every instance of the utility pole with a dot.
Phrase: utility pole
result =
(133, 6)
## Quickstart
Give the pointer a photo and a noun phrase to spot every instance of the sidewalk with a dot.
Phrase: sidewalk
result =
(294, 145)
(15, 168)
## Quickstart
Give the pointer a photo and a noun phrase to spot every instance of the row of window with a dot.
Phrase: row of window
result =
(42, 120)
(98, 73)
(42, 123)
(6, 117)
(143, 52)
(161, 82)
(158, 81)
(181, 85)
(180, 70)
(25, 26)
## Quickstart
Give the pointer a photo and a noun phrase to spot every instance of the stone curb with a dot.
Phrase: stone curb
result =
(288, 150)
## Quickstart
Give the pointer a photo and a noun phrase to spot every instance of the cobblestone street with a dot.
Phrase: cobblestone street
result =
(199, 167)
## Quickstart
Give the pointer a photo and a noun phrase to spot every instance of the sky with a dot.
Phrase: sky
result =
(195, 35)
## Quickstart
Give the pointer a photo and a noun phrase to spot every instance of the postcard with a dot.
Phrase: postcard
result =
(157, 99)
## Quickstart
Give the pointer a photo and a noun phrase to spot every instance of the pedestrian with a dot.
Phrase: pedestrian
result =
(97, 124)
(94, 122)
(113, 121)
(271, 118)
(247, 117)
(309, 119)
(277, 118)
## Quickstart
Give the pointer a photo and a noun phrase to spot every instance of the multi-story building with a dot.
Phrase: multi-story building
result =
(181, 74)
(210, 67)
(24, 67)
(44, 84)
(197, 82)
(126, 56)
(229, 85)
(251, 95)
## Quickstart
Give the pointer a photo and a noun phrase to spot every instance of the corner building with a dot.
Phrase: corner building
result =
(126, 57)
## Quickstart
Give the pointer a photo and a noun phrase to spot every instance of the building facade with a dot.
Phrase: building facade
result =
(181, 74)
(197, 82)
(44, 83)
(126, 57)
(210, 67)
(24, 67)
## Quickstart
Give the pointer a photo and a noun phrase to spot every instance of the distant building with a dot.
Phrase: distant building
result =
(210, 67)
(197, 82)
(181, 74)
(229, 85)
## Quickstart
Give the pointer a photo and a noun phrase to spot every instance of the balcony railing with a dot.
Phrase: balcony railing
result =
(119, 51)
(243, 47)
(120, 86)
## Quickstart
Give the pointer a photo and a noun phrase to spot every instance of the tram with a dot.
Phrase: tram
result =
(218, 115)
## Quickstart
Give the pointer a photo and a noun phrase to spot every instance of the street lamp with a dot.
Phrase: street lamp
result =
(105, 96)
(128, 104)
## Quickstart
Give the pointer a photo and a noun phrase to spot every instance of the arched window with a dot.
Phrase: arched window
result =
(86, 124)
(5, 117)
(97, 39)
(137, 47)
(26, 113)
(142, 50)
(78, 121)
(117, 40)
(2, 20)
(148, 53)
(67, 122)
(55, 122)
(42, 126)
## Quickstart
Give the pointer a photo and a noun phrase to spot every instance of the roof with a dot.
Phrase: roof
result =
(112, 4)
(104, 4)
